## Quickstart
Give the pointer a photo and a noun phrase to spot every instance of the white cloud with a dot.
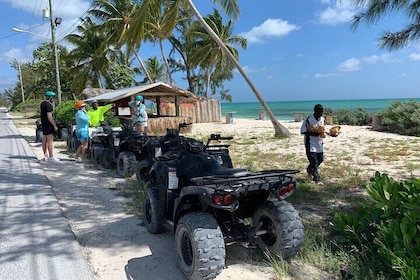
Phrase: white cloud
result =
(414, 56)
(377, 58)
(270, 28)
(326, 75)
(339, 12)
(350, 65)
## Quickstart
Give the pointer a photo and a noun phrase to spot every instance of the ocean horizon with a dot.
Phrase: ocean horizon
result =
(285, 110)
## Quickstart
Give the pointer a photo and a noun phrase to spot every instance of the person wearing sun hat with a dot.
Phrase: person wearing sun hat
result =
(82, 130)
(49, 126)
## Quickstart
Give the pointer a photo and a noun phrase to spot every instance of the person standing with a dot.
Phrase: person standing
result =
(313, 129)
(96, 113)
(140, 115)
(82, 130)
(48, 126)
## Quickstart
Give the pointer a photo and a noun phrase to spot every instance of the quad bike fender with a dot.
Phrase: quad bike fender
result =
(204, 198)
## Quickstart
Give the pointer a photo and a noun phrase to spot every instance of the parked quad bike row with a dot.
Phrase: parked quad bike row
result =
(193, 190)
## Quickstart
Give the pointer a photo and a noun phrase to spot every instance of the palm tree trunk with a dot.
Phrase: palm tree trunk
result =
(144, 67)
(278, 128)
(168, 69)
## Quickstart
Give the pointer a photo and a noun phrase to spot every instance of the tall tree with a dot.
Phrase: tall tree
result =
(206, 53)
(232, 9)
(115, 18)
(373, 10)
(156, 70)
(90, 57)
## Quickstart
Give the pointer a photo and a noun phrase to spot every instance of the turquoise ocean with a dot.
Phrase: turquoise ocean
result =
(284, 110)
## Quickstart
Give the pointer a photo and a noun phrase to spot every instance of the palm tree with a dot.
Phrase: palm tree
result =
(206, 53)
(156, 69)
(159, 25)
(90, 56)
(373, 10)
(116, 19)
(231, 8)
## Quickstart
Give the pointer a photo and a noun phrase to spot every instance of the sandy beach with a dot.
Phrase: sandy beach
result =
(116, 244)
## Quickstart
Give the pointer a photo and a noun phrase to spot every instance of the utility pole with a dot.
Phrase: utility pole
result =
(21, 82)
(55, 53)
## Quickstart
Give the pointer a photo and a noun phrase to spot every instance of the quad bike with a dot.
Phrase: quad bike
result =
(155, 146)
(209, 206)
(123, 149)
(61, 135)
(98, 140)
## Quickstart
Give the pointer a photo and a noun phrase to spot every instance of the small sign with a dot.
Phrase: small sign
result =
(172, 181)
(116, 141)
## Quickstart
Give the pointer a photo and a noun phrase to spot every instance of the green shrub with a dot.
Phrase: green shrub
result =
(358, 116)
(402, 118)
(388, 227)
(31, 106)
(65, 112)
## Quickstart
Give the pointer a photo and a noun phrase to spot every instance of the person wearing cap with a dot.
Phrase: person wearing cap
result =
(82, 130)
(140, 115)
(48, 126)
(96, 113)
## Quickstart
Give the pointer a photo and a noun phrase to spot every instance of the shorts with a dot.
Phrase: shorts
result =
(82, 135)
(47, 130)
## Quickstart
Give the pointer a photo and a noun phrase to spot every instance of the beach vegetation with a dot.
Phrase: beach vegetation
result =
(402, 117)
(358, 117)
(385, 228)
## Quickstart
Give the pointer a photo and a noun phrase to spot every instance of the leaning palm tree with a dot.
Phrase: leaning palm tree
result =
(373, 10)
(206, 53)
(231, 8)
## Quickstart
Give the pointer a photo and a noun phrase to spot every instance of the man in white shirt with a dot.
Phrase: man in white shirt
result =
(313, 129)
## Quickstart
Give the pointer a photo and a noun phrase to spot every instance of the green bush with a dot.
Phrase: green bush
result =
(402, 118)
(31, 106)
(358, 116)
(388, 227)
(66, 112)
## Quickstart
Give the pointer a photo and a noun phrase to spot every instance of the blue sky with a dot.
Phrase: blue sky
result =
(297, 49)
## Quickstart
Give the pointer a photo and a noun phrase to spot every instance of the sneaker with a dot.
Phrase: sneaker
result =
(78, 160)
(53, 159)
(44, 159)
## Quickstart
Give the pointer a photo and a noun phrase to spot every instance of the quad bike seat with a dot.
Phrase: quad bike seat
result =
(232, 172)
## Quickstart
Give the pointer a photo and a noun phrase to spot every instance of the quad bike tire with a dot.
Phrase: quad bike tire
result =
(107, 159)
(38, 135)
(63, 134)
(126, 164)
(284, 228)
(152, 212)
(200, 246)
(95, 153)
(142, 171)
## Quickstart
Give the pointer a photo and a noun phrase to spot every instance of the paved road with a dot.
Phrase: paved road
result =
(36, 241)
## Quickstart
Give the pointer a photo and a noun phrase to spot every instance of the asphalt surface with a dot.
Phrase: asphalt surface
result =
(36, 241)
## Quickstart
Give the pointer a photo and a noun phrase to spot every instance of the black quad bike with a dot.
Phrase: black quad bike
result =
(155, 146)
(123, 150)
(61, 135)
(209, 206)
(98, 140)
